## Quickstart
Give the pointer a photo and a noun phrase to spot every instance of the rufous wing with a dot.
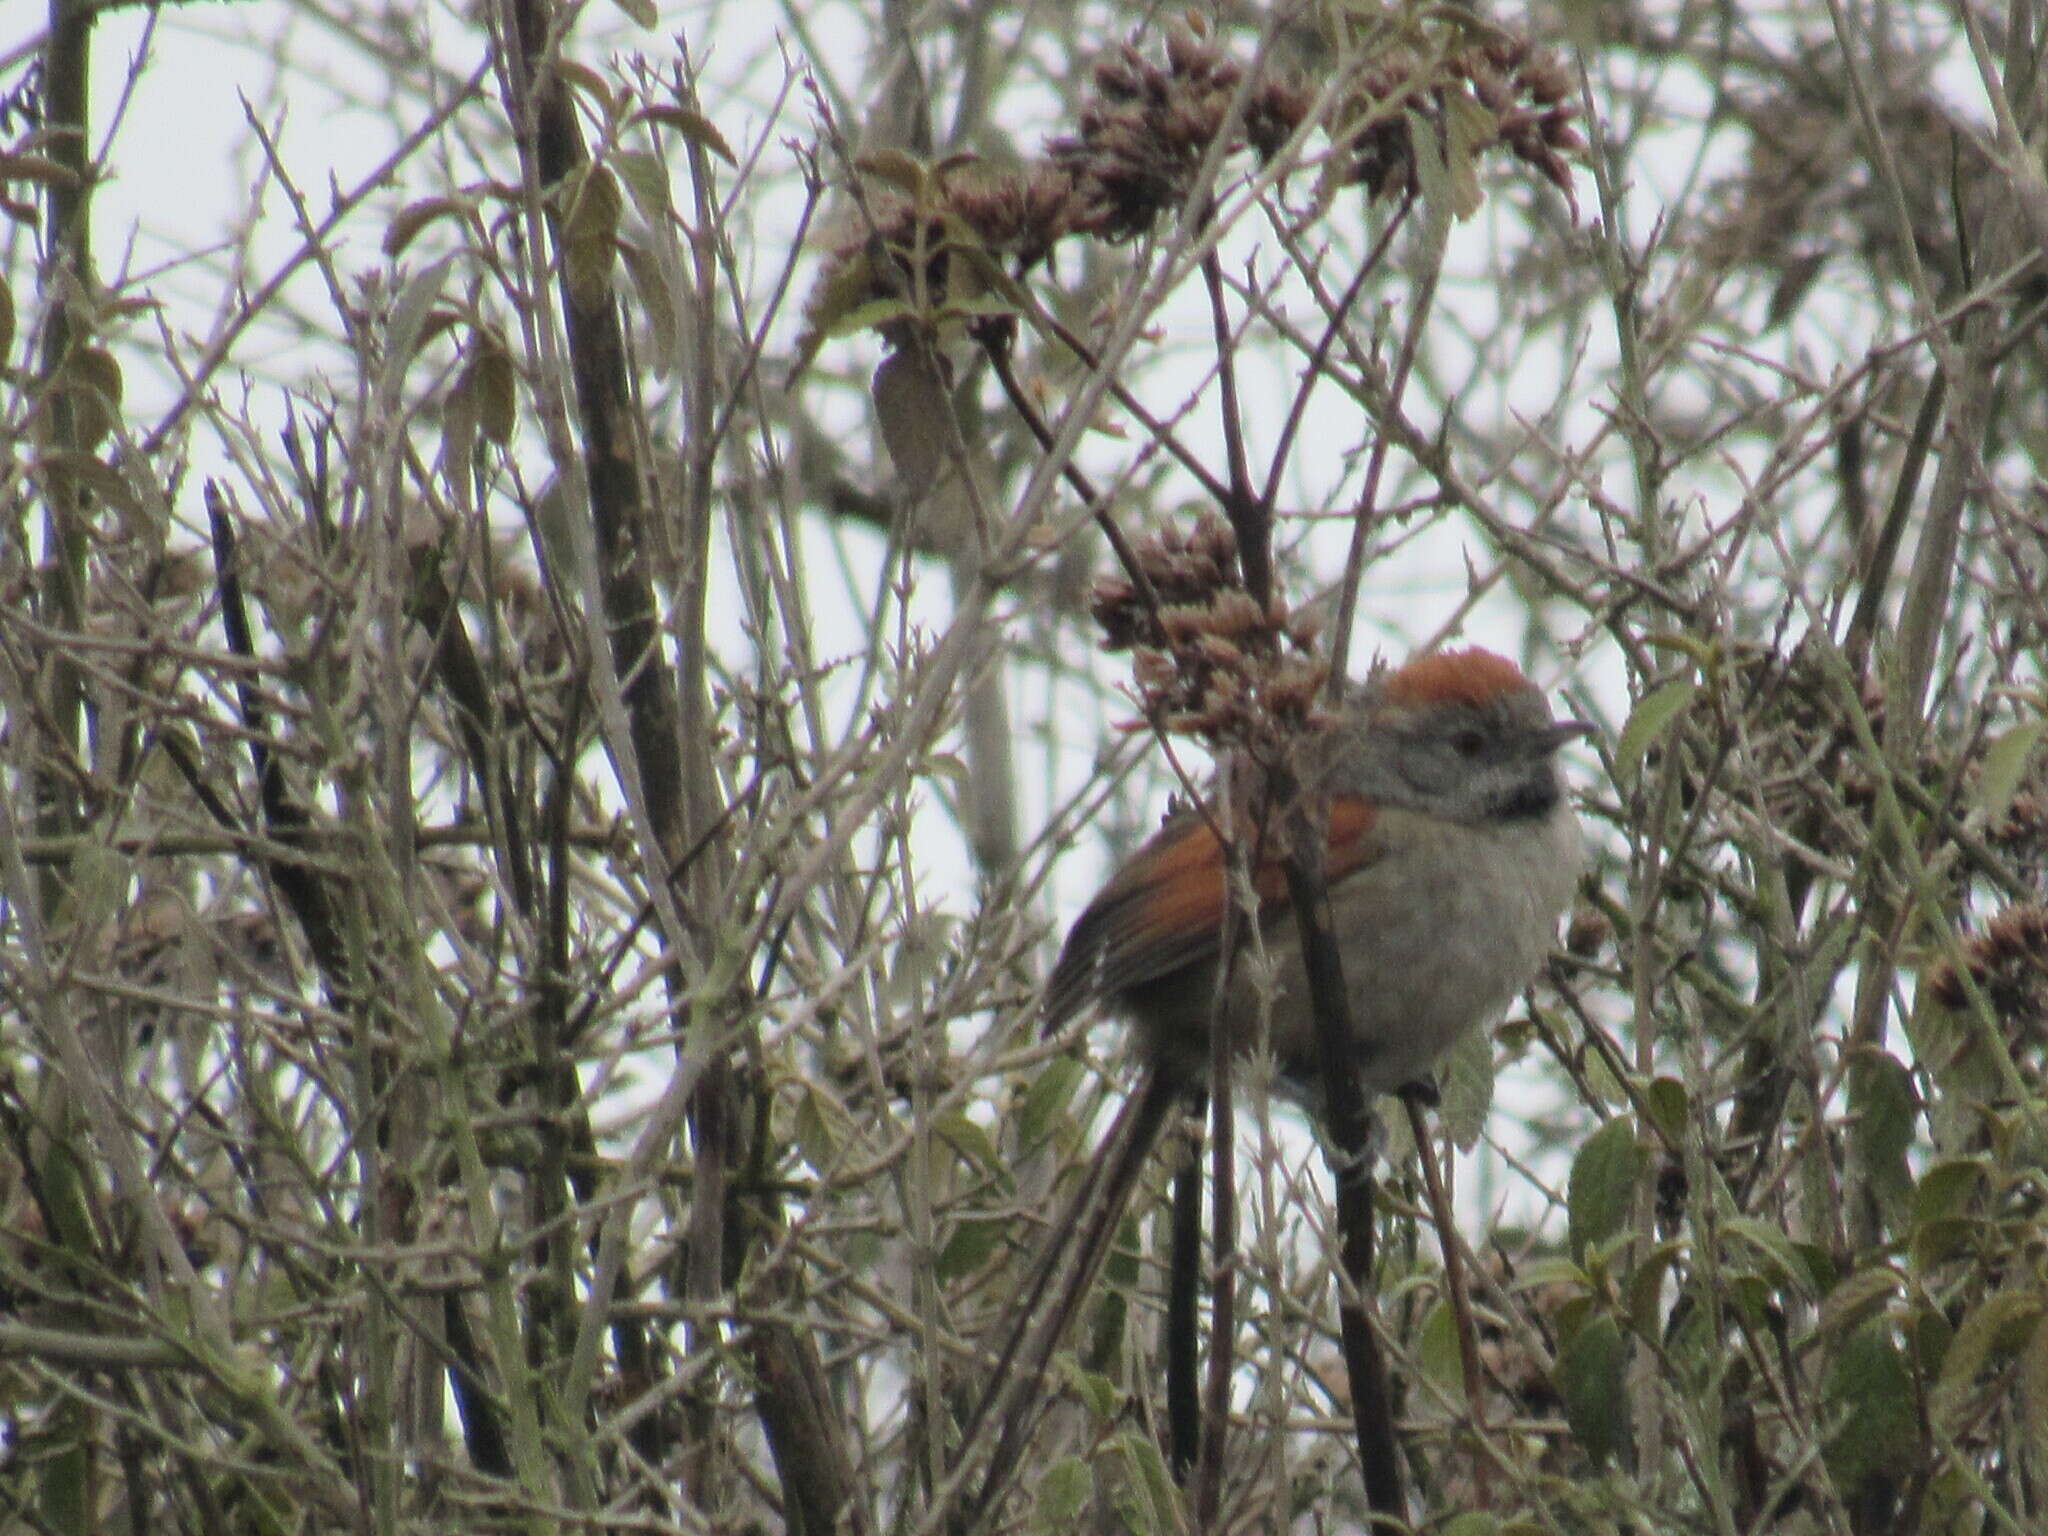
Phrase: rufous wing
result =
(1163, 910)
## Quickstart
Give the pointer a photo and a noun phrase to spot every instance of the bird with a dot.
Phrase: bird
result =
(1452, 851)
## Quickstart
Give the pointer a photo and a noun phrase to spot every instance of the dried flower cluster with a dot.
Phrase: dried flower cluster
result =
(1209, 659)
(1816, 781)
(1812, 776)
(1143, 135)
(1524, 101)
(2008, 962)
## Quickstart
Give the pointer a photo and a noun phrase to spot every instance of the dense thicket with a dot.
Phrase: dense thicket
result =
(550, 714)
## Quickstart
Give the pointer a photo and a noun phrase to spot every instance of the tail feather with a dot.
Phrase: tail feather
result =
(1066, 1271)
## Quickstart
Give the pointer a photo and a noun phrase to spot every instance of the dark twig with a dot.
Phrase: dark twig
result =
(1092, 498)
(1215, 1409)
(1318, 358)
(284, 820)
(1007, 1408)
(1460, 1293)
(1363, 518)
(1156, 429)
(1348, 1127)
(1183, 1292)
(1251, 519)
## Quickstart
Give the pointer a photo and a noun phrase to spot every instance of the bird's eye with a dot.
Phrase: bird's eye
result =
(1468, 743)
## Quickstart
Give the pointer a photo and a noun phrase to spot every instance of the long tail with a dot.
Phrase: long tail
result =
(1074, 1256)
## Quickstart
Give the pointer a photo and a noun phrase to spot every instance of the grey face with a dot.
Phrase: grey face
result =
(1486, 761)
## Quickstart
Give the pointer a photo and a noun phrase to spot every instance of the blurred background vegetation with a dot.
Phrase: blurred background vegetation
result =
(549, 719)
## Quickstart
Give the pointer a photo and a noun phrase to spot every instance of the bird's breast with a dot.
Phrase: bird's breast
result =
(1437, 936)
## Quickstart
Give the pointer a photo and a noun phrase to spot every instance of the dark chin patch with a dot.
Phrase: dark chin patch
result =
(1530, 800)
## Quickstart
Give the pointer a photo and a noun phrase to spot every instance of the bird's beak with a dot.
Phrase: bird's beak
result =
(1559, 732)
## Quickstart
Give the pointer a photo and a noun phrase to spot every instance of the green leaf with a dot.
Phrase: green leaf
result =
(1747, 1295)
(1860, 1297)
(1651, 718)
(1601, 1080)
(1947, 1189)
(1540, 1274)
(970, 1141)
(590, 229)
(1096, 1391)
(1824, 1269)
(978, 306)
(2005, 767)
(1936, 1242)
(1666, 1102)
(645, 179)
(409, 221)
(1996, 1328)
(64, 1482)
(692, 125)
(6, 321)
(458, 428)
(1045, 1100)
(1432, 178)
(1928, 1334)
(914, 411)
(72, 473)
(1704, 651)
(486, 393)
(641, 12)
(581, 77)
(1867, 1396)
(1592, 1383)
(405, 332)
(1469, 126)
(91, 381)
(1788, 1263)
(1105, 1329)
(1061, 1493)
(1146, 1499)
(497, 387)
(67, 1199)
(1464, 1083)
(1602, 1187)
(893, 168)
(841, 288)
(1646, 1286)
(1437, 1349)
(651, 286)
(814, 1137)
(1883, 1107)
(972, 1244)
(871, 316)
(992, 283)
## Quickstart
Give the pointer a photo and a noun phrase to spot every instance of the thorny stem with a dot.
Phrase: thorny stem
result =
(1363, 519)
(1252, 521)
(1337, 317)
(1348, 1124)
(1460, 1293)
(999, 358)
